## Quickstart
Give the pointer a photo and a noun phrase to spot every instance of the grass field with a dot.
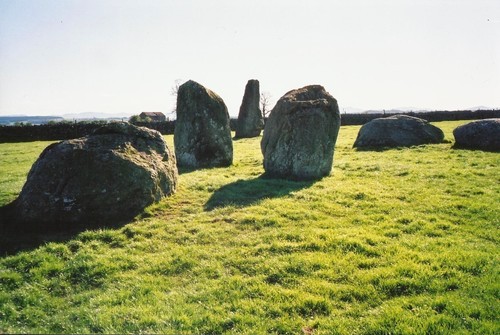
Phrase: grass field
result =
(402, 241)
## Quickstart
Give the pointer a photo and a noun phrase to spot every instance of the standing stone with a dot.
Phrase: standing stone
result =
(397, 131)
(480, 134)
(110, 175)
(202, 136)
(300, 134)
(250, 120)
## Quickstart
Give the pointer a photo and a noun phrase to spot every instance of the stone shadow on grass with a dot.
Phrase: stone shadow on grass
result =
(396, 147)
(17, 236)
(243, 193)
(471, 148)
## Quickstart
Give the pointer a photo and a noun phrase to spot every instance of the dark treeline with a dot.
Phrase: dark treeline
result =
(164, 127)
(67, 130)
(362, 118)
(47, 132)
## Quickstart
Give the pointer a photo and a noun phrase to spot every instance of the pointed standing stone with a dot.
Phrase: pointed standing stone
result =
(250, 120)
(202, 136)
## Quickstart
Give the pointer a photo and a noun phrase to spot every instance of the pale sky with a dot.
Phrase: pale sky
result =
(123, 56)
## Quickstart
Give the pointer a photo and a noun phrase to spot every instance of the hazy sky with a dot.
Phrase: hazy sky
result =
(118, 56)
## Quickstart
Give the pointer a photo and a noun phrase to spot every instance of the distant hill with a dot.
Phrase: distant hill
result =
(351, 110)
(399, 110)
(11, 120)
(91, 116)
(480, 108)
(402, 110)
(37, 120)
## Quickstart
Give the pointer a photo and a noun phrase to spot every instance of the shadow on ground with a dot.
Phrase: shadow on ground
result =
(381, 148)
(472, 148)
(187, 170)
(17, 236)
(243, 193)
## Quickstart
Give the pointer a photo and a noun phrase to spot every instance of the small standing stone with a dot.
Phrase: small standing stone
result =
(300, 134)
(202, 136)
(250, 120)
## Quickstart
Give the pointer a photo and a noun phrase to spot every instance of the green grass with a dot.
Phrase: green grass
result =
(15, 162)
(402, 241)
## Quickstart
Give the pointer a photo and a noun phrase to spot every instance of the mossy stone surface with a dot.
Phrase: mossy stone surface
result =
(202, 134)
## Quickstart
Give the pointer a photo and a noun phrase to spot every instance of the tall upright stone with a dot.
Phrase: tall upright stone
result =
(202, 136)
(250, 120)
(300, 134)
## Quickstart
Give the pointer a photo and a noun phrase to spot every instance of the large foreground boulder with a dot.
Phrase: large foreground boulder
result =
(202, 136)
(250, 120)
(481, 134)
(108, 176)
(300, 134)
(397, 131)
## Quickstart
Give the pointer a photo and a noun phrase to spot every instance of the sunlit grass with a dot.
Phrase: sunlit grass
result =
(15, 162)
(403, 241)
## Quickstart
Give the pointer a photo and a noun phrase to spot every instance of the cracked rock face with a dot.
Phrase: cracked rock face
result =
(202, 136)
(300, 135)
(105, 177)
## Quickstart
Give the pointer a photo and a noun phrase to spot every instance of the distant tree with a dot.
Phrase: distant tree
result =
(134, 119)
(23, 124)
(137, 118)
(265, 103)
(94, 122)
(173, 92)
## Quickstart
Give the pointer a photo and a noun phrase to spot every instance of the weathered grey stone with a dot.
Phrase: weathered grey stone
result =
(250, 120)
(397, 131)
(202, 136)
(480, 134)
(300, 134)
(107, 176)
